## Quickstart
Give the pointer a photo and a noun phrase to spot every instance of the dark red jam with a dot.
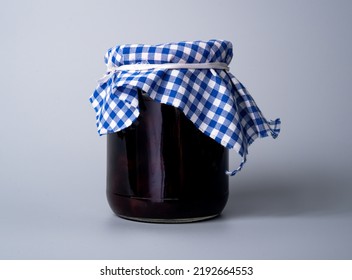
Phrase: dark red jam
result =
(163, 169)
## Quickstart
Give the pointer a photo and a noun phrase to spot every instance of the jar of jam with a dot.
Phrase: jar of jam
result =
(170, 113)
(163, 169)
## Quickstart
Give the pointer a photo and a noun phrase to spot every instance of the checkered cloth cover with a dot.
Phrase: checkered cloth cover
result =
(214, 100)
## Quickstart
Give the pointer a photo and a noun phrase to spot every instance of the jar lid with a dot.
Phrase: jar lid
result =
(192, 76)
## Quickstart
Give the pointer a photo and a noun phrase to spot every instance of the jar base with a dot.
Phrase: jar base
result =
(171, 211)
(169, 221)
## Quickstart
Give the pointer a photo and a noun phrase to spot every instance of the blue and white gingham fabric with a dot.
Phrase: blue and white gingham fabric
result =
(214, 100)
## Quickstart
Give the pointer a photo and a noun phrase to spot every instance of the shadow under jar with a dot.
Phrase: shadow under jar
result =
(163, 169)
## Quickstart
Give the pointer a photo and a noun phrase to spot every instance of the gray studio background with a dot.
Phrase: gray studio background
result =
(293, 200)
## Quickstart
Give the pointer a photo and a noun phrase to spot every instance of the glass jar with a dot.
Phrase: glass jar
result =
(163, 169)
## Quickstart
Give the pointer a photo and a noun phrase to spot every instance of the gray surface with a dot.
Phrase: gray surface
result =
(292, 200)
